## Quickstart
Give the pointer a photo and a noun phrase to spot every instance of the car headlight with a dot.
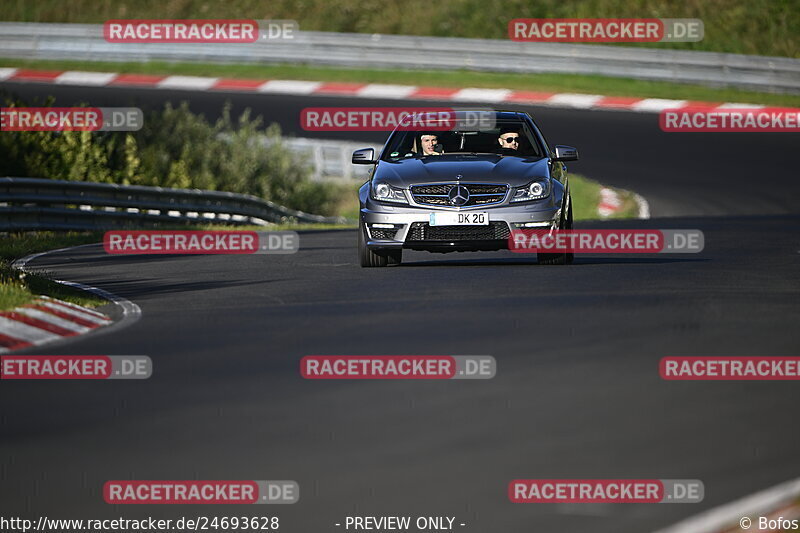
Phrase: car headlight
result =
(386, 193)
(535, 190)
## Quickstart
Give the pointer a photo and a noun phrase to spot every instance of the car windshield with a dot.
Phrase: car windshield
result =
(423, 144)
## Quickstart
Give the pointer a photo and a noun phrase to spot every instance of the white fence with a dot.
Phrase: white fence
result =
(331, 159)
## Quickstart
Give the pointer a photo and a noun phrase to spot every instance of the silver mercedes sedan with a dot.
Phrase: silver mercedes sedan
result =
(462, 182)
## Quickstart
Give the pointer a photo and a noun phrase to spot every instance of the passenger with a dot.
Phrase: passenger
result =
(428, 141)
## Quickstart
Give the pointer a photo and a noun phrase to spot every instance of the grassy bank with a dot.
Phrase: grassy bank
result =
(452, 79)
(762, 27)
(586, 197)
(18, 288)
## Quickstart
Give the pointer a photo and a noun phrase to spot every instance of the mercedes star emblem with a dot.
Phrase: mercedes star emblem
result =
(459, 195)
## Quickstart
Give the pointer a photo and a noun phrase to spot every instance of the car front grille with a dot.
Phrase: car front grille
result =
(422, 231)
(479, 193)
(382, 234)
(431, 200)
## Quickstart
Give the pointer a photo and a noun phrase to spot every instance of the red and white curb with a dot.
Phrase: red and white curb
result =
(48, 320)
(360, 90)
(780, 501)
(611, 203)
(44, 321)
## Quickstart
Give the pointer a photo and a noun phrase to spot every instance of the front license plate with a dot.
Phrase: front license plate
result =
(460, 219)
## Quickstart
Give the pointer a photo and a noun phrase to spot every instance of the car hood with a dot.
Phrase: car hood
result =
(513, 170)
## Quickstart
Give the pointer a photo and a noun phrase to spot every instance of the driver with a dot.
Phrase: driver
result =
(509, 139)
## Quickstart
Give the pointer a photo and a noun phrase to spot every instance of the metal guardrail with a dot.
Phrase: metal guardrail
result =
(28, 204)
(86, 42)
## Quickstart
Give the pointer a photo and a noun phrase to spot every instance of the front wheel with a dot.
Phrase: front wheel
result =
(552, 259)
(395, 257)
(563, 258)
(570, 255)
(367, 257)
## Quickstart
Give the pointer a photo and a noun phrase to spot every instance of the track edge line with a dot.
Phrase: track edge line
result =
(130, 311)
(718, 519)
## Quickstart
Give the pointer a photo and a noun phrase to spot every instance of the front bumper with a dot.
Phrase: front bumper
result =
(391, 227)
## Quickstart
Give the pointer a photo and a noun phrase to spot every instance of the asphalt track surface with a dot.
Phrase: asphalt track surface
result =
(577, 392)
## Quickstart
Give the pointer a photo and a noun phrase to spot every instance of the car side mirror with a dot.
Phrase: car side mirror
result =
(565, 153)
(365, 156)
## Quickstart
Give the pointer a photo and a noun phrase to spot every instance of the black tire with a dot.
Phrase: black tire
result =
(570, 255)
(559, 259)
(552, 259)
(395, 257)
(367, 257)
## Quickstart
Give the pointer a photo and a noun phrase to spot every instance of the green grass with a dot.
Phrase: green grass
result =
(17, 245)
(455, 79)
(763, 27)
(586, 196)
(12, 295)
(18, 288)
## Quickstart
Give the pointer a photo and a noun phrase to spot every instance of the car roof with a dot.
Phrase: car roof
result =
(460, 113)
(447, 116)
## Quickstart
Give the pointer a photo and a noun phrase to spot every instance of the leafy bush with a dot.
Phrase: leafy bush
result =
(179, 149)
